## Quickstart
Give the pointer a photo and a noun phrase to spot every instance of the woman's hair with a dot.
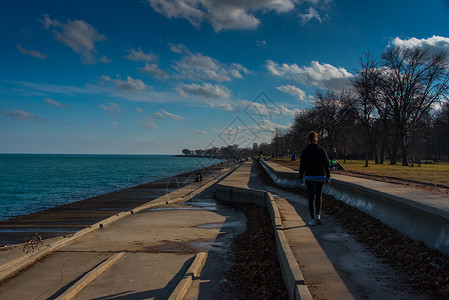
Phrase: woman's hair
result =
(313, 136)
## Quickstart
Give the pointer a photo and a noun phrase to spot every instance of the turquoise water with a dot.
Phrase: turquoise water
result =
(34, 182)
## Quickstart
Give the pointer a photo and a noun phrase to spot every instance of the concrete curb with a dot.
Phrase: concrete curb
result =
(9, 269)
(186, 281)
(89, 277)
(291, 273)
(422, 218)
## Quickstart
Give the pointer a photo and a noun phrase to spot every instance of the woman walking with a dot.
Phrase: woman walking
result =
(314, 168)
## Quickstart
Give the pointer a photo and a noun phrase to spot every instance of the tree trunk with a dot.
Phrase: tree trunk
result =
(366, 147)
(403, 149)
(419, 155)
(376, 155)
(394, 152)
(382, 154)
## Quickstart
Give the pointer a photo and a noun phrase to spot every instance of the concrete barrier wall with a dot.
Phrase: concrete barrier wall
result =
(236, 194)
(415, 220)
(291, 274)
(284, 179)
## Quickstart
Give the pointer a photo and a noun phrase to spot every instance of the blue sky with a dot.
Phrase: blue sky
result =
(157, 76)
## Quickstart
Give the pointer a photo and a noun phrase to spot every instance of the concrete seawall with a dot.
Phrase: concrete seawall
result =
(420, 215)
(228, 191)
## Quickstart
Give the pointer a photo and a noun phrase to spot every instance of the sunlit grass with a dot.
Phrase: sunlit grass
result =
(428, 173)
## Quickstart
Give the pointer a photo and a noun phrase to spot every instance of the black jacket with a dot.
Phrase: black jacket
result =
(314, 162)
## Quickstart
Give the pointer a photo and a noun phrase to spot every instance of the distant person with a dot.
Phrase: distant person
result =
(199, 177)
(314, 169)
(334, 163)
(334, 154)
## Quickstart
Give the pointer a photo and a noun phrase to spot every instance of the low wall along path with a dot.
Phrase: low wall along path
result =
(420, 215)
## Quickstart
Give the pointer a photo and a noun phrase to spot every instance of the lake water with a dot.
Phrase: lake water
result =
(35, 182)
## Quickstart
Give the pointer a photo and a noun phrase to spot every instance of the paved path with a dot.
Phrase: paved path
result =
(144, 255)
(334, 264)
(435, 203)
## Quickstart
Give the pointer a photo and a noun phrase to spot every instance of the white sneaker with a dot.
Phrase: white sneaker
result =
(312, 222)
(318, 219)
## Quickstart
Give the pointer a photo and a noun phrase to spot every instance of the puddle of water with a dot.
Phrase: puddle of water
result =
(207, 204)
(210, 226)
(334, 236)
(209, 245)
(221, 225)
(170, 208)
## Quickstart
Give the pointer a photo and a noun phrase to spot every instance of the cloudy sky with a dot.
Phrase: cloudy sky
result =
(157, 76)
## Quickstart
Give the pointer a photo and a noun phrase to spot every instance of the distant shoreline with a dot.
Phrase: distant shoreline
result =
(206, 156)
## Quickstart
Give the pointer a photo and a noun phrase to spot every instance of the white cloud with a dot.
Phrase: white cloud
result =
(139, 55)
(149, 123)
(219, 104)
(264, 129)
(321, 75)
(129, 85)
(179, 9)
(289, 112)
(220, 14)
(104, 59)
(292, 90)
(242, 134)
(268, 126)
(206, 90)
(112, 109)
(116, 124)
(31, 52)
(49, 22)
(262, 111)
(79, 36)
(201, 132)
(196, 66)
(138, 109)
(178, 48)
(154, 70)
(163, 114)
(21, 115)
(433, 44)
(49, 88)
(102, 89)
(53, 103)
(261, 44)
(310, 15)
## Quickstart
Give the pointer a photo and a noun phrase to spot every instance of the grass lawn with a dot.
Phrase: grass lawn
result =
(428, 173)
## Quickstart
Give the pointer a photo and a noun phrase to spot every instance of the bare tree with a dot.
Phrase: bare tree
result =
(366, 86)
(328, 123)
(412, 81)
(441, 129)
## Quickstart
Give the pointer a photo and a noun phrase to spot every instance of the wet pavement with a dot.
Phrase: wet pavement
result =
(158, 244)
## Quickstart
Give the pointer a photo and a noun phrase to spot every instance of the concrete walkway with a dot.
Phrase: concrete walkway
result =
(176, 247)
(333, 263)
(152, 253)
(418, 214)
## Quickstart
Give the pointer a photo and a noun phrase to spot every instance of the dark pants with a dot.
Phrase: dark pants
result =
(314, 190)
